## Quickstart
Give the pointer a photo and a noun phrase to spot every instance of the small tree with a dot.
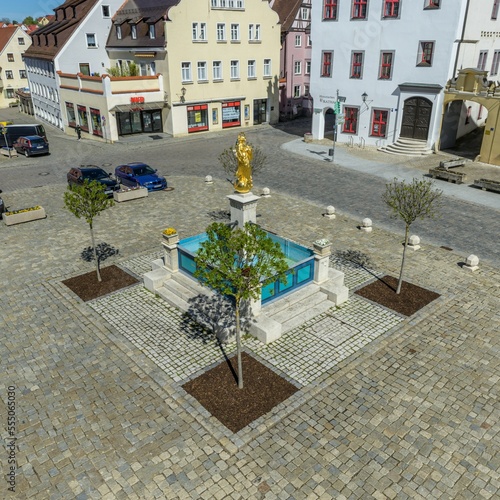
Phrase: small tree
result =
(87, 201)
(237, 263)
(229, 161)
(409, 202)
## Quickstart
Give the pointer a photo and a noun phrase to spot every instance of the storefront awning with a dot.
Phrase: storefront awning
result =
(125, 108)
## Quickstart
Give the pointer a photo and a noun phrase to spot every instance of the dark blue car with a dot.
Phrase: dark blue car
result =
(140, 174)
(31, 145)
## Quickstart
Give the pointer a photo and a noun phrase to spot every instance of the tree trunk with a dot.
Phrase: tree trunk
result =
(400, 282)
(238, 345)
(95, 254)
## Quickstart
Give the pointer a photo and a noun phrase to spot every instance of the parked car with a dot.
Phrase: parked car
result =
(78, 175)
(31, 145)
(11, 133)
(140, 174)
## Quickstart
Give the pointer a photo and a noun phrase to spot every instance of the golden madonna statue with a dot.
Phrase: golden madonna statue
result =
(243, 151)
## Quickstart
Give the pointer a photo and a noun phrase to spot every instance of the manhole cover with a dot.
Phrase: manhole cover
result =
(44, 173)
(107, 164)
(156, 137)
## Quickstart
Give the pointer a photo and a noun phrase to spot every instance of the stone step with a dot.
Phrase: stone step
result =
(393, 151)
(412, 142)
(171, 298)
(309, 313)
(285, 302)
(406, 147)
(191, 284)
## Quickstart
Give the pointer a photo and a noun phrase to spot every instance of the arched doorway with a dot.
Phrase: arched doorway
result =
(416, 118)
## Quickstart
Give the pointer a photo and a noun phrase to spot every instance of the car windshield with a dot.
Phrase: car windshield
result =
(94, 174)
(37, 141)
(143, 170)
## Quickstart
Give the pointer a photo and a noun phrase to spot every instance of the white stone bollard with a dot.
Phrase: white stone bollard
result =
(414, 242)
(471, 263)
(330, 212)
(366, 225)
(266, 193)
(209, 179)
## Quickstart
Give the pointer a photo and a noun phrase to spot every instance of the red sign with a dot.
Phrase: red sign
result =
(137, 100)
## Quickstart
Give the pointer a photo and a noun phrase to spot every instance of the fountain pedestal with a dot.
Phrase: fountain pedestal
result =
(243, 208)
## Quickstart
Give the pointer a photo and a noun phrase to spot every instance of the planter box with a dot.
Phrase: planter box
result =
(5, 151)
(171, 239)
(488, 184)
(443, 173)
(133, 194)
(24, 216)
(459, 162)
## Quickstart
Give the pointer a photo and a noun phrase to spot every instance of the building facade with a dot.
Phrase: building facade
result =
(387, 63)
(73, 42)
(13, 43)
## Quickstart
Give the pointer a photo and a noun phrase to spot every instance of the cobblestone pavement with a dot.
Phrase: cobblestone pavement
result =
(411, 410)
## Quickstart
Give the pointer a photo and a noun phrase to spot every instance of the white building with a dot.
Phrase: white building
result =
(74, 42)
(391, 60)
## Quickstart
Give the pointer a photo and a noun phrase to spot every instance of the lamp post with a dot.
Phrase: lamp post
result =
(336, 121)
(4, 132)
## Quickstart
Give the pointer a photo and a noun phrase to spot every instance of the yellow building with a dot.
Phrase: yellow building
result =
(13, 43)
(219, 60)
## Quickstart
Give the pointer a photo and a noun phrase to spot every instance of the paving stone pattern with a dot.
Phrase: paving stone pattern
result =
(412, 414)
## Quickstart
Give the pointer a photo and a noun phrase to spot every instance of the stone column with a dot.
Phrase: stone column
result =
(322, 252)
(243, 208)
(170, 252)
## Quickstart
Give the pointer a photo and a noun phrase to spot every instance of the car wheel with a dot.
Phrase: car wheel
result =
(26, 153)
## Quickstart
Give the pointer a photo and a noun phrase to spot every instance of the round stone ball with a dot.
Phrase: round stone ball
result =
(414, 240)
(330, 210)
(367, 222)
(472, 260)
(208, 178)
(266, 191)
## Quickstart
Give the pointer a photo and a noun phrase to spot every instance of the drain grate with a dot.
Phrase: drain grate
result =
(446, 248)
(156, 137)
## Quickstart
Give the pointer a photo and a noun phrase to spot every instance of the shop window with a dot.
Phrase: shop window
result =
(379, 123)
(330, 10)
(231, 114)
(357, 65)
(391, 8)
(197, 117)
(386, 59)
(351, 120)
(359, 8)
(95, 115)
(83, 118)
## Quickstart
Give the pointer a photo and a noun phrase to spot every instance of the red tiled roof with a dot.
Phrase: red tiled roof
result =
(6, 35)
(287, 11)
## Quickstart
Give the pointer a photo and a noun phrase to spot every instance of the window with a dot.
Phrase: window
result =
(202, 71)
(425, 54)
(84, 69)
(20, 41)
(267, 67)
(186, 72)
(308, 41)
(118, 31)
(22, 73)
(235, 32)
(495, 63)
(391, 8)
(235, 70)
(105, 11)
(481, 62)
(9, 74)
(386, 59)
(379, 123)
(326, 65)
(133, 31)
(228, 4)
(307, 70)
(494, 12)
(351, 120)
(298, 40)
(306, 90)
(91, 40)
(330, 9)
(296, 91)
(199, 31)
(254, 32)
(359, 9)
(297, 68)
(251, 69)
(432, 4)
(357, 65)
(10, 57)
(9, 93)
(152, 31)
(221, 32)
(217, 70)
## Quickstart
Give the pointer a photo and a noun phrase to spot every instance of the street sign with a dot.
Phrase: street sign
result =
(336, 108)
(341, 98)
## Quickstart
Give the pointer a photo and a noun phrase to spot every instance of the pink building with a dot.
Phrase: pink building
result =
(295, 64)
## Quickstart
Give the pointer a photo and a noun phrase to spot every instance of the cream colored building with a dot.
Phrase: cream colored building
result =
(13, 43)
(219, 60)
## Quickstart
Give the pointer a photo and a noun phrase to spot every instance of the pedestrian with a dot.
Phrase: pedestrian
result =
(79, 132)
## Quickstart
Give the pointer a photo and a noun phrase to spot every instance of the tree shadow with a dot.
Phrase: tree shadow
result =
(216, 215)
(354, 259)
(103, 250)
(213, 317)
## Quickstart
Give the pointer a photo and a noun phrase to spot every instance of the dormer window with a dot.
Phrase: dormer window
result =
(152, 31)
(118, 29)
(133, 31)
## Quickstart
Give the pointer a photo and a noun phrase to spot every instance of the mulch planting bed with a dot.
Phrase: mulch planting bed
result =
(217, 390)
(87, 287)
(411, 299)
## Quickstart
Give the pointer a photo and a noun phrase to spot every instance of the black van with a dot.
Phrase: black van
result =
(11, 133)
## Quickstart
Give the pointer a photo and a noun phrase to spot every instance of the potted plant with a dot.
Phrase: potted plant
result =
(322, 247)
(170, 235)
(24, 215)
(132, 193)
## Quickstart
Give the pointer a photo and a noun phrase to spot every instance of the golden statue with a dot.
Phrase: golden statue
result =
(243, 183)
